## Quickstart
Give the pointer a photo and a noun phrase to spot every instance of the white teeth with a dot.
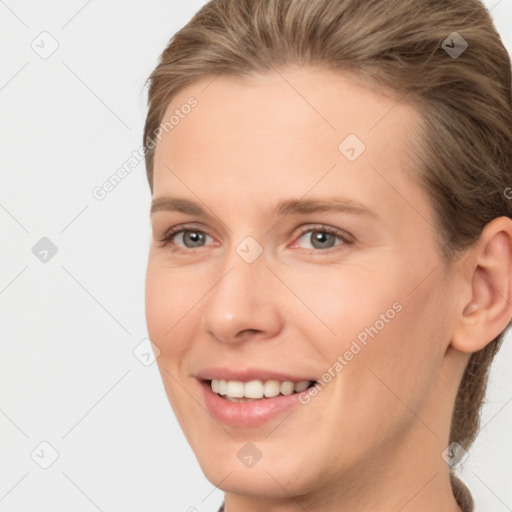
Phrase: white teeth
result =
(256, 389)
(235, 389)
(222, 387)
(286, 387)
(301, 386)
(271, 388)
(253, 389)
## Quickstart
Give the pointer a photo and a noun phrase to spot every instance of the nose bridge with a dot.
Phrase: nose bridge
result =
(242, 297)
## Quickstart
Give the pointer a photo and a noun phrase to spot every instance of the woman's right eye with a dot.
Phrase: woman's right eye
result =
(185, 238)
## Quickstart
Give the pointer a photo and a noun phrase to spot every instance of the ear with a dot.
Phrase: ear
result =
(488, 283)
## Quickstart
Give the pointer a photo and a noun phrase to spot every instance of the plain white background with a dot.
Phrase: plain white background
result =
(69, 377)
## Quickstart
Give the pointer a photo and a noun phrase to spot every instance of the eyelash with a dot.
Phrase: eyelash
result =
(320, 228)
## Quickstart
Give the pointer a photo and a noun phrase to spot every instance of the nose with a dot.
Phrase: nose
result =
(243, 303)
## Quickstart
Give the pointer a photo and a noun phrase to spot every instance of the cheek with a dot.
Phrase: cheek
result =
(167, 308)
(158, 304)
(400, 364)
(350, 302)
(168, 316)
(390, 334)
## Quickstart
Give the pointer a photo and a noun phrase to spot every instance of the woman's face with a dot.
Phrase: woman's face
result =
(303, 251)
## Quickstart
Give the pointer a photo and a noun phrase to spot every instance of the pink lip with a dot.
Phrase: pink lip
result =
(246, 414)
(248, 374)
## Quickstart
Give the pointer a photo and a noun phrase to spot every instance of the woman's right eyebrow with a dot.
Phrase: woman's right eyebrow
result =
(177, 204)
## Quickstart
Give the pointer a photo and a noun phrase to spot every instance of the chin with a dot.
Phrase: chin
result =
(273, 475)
(255, 482)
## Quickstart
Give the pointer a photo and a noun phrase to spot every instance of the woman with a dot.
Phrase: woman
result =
(329, 276)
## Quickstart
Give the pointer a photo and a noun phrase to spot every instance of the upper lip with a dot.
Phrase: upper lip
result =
(248, 374)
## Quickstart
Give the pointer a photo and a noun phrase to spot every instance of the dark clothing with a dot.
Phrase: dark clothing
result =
(460, 491)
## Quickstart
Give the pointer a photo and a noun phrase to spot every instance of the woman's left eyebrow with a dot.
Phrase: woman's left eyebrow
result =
(327, 204)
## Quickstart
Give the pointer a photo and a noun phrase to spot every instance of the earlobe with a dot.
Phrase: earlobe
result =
(489, 309)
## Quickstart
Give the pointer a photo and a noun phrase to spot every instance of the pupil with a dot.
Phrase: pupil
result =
(194, 237)
(321, 238)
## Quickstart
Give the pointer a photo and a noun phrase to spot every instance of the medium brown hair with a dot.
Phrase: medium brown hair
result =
(464, 151)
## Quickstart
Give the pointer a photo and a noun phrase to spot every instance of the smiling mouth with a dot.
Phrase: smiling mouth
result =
(251, 391)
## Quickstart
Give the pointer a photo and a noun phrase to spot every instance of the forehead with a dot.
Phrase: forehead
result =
(293, 130)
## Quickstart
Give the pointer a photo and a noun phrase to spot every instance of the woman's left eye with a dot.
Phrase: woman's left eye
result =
(324, 237)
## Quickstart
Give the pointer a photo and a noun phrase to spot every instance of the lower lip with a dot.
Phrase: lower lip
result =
(247, 414)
